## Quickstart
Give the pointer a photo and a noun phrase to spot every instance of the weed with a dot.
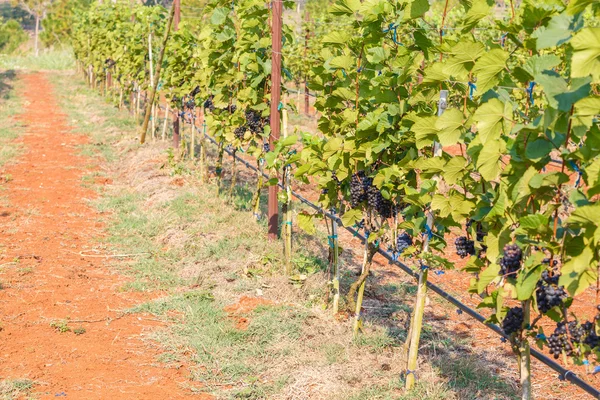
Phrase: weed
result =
(61, 326)
(79, 331)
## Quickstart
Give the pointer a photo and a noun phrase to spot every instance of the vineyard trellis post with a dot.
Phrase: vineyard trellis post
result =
(177, 15)
(306, 93)
(417, 318)
(176, 116)
(276, 34)
(156, 76)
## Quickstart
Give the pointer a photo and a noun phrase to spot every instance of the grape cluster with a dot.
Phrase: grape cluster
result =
(239, 132)
(513, 321)
(376, 200)
(511, 261)
(549, 296)
(559, 340)
(255, 121)
(230, 108)
(591, 339)
(403, 242)
(464, 247)
(335, 178)
(195, 92)
(357, 191)
(208, 104)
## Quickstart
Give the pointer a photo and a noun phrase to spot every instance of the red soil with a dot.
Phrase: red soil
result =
(242, 307)
(45, 224)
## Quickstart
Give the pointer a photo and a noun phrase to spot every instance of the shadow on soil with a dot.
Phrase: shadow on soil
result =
(6, 79)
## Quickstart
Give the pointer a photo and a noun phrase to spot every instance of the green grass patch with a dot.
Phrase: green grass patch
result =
(10, 107)
(13, 389)
(47, 60)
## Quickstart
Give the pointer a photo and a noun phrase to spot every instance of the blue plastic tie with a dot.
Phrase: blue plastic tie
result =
(394, 29)
(330, 240)
(472, 88)
(596, 370)
(359, 70)
(344, 73)
(287, 222)
(578, 170)
(280, 106)
(540, 336)
(503, 339)
(586, 362)
(428, 231)
(459, 311)
(503, 39)
(424, 267)
(414, 373)
(440, 272)
(530, 91)
(378, 73)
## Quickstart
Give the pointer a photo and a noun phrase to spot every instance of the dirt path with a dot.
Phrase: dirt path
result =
(45, 223)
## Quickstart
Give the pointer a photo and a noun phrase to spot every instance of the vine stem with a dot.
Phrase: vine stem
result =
(562, 170)
(359, 285)
(524, 356)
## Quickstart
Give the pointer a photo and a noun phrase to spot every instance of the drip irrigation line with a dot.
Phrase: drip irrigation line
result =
(564, 374)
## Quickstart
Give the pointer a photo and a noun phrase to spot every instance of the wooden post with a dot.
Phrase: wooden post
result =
(203, 167)
(164, 130)
(177, 16)
(192, 136)
(419, 310)
(334, 244)
(306, 93)
(176, 133)
(287, 207)
(275, 100)
(157, 75)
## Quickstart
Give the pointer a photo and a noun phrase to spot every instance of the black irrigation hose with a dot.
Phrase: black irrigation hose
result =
(564, 374)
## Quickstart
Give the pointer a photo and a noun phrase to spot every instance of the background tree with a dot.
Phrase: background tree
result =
(37, 9)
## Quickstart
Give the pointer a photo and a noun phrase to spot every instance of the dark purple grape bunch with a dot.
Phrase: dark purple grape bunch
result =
(513, 321)
(239, 132)
(403, 242)
(357, 191)
(549, 294)
(565, 335)
(464, 247)
(255, 122)
(230, 108)
(209, 105)
(376, 201)
(335, 178)
(512, 259)
(266, 147)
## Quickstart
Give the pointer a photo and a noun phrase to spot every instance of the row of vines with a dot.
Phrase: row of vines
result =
(433, 119)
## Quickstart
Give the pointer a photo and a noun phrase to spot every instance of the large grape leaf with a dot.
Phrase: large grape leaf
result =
(586, 55)
(449, 126)
(558, 31)
(488, 161)
(490, 118)
(487, 69)
(464, 54)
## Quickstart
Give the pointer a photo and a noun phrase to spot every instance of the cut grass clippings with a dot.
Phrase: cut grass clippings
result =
(209, 260)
